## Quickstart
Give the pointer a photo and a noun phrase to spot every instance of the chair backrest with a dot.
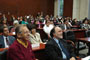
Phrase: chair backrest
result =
(87, 33)
(69, 35)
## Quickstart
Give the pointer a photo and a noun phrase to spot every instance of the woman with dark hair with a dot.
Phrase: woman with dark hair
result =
(85, 24)
(34, 36)
(4, 23)
(74, 22)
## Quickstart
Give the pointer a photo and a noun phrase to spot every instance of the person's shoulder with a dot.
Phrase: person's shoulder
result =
(50, 42)
(14, 46)
(1, 36)
(29, 43)
(11, 37)
(63, 40)
(37, 33)
(50, 25)
(44, 26)
(31, 34)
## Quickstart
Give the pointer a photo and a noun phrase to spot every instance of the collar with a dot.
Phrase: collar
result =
(56, 40)
(5, 36)
(22, 43)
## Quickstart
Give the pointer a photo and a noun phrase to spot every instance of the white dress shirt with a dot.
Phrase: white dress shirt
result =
(6, 45)
(47, 29)
(63, 54)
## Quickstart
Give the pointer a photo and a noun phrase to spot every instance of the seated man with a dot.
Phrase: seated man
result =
(66, 25)
(21, 48)
(5, 39)
(57, 48)
(47, 27)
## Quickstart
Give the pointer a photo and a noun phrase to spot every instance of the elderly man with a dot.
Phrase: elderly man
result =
(57, 48)
(21, 48)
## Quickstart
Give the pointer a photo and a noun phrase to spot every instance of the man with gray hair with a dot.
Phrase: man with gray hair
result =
(21, 48)
(57, 48)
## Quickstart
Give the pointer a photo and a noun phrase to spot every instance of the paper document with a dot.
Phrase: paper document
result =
(86, 58)
(35, 45)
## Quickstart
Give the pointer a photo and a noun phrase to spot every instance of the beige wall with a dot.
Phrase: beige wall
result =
(80, 9)
(55, 8)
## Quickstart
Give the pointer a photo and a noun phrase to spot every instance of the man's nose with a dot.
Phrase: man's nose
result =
(28, 34)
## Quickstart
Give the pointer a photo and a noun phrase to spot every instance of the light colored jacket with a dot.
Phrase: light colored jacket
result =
(35, 39)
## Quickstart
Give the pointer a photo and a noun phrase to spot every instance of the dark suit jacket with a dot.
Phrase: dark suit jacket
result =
(53, 51)
(2, 44)
(63, 26)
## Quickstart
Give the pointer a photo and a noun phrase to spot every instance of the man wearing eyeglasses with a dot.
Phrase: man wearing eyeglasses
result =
(21, 48)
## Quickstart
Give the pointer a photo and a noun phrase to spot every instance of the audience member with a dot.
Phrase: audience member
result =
(34, 36)
(47, 27)
(85, 24)
(57, 48)
(21, 48)
(5, 39)
(66, 25)
(15, 24)
(74, 22)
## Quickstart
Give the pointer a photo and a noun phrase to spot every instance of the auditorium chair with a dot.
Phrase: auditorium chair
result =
(87, 33)
(69, 35)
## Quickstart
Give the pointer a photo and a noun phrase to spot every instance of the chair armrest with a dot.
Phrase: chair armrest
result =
(69, 41)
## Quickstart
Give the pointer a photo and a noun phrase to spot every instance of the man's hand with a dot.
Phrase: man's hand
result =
(72, 58)
(36, 59)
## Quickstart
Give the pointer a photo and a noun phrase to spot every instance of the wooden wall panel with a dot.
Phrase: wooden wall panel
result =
(25, 7)
(68, 8)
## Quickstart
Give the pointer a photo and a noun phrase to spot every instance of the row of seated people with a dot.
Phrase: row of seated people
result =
(49, 28)
(48, 23)
(55, 37)
(56, 21)
(21, 47)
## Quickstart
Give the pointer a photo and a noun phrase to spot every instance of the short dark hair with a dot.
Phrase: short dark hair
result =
(2, 28)
(52, 32)
(31, 26)
(47, 21)
(64, 20)
(84, 20)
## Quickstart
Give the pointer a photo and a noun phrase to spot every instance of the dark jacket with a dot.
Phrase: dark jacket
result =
(53, 51)
(2, 44)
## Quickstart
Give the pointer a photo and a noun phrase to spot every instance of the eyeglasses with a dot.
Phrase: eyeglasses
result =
(24, 32)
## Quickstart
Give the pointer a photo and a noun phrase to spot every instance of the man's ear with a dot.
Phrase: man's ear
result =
(19, 35)
(53, 34)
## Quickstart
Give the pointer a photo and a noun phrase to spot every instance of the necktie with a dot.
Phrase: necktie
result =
(64, 50)
(7, 41)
